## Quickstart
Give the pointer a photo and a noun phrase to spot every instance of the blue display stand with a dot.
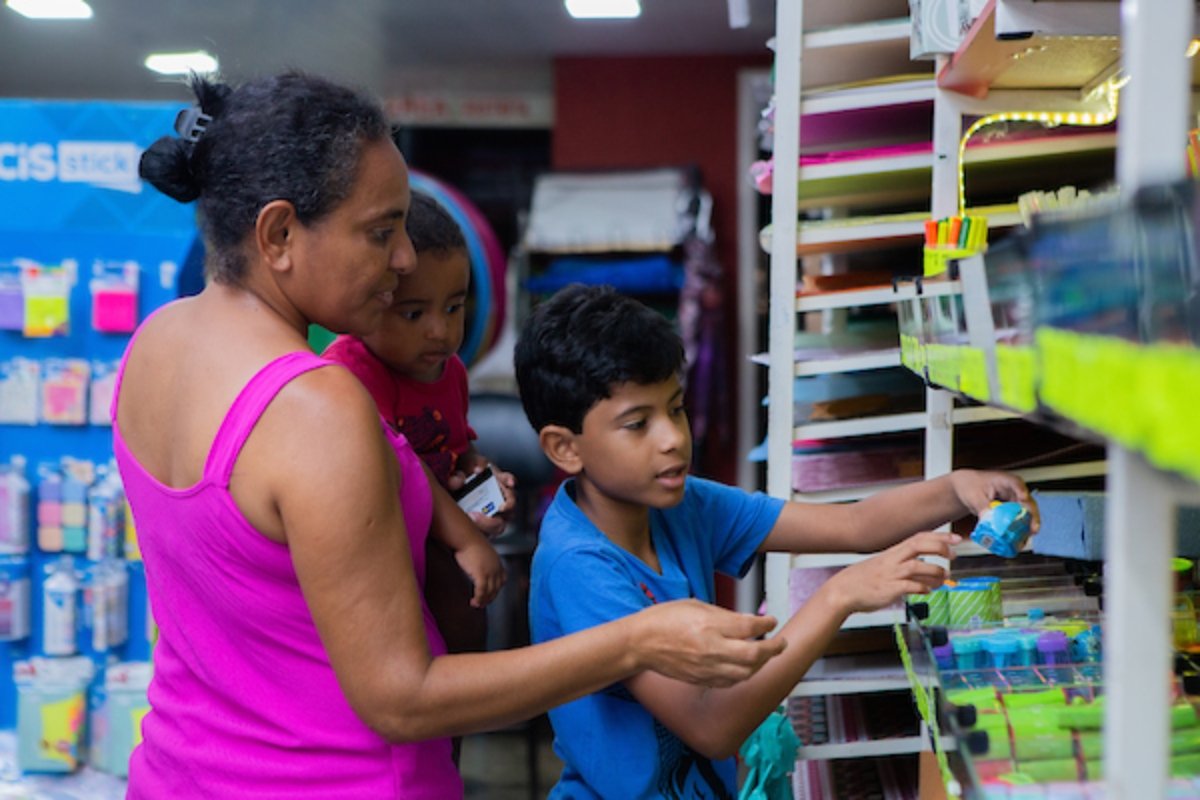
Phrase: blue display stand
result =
(69, 191)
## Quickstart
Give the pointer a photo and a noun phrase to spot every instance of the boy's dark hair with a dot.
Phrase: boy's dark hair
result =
(291, 137)
(582, 343)
(431, 228)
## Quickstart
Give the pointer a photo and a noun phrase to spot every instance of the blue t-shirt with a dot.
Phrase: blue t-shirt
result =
(610, 745)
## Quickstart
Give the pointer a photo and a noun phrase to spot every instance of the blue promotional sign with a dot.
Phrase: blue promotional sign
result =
(71, 166)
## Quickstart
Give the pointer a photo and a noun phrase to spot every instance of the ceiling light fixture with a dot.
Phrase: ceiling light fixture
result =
(196, 61)
(603, 9)
(51, 9)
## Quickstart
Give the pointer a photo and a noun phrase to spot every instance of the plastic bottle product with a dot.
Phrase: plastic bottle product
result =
(14, 507)
(15, 607)
(1001, 650)
(1003, 529)
(140, 631)
(1086, 646)
(1052, 648)
(968, 652)
(59, 601)
(944, 656)
(1027, 652)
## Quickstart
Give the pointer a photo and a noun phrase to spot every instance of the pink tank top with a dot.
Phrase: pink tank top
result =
(244, 702)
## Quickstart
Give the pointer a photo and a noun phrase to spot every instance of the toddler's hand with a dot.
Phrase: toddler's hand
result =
(888, 576)
(482, 565)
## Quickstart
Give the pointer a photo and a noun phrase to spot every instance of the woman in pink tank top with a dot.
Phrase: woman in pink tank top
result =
(282, 527)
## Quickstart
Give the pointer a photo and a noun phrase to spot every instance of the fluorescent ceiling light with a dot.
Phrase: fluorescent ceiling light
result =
(196, 61)
(604, 9)
(51, 9)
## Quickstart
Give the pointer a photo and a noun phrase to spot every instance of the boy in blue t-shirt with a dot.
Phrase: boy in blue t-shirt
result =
(599, 377)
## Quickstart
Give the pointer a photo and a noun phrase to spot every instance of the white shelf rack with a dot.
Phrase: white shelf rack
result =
(857, 362)
(894, 423)
(874, 295)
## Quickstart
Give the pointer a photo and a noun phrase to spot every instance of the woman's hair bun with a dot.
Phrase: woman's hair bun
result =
(166, 164)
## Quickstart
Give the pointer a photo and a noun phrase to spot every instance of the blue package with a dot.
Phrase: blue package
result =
(1003, 529)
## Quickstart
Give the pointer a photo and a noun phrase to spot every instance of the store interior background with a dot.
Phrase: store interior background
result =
(487, 95)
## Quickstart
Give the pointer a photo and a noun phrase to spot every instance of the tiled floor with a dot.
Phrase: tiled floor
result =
(495, 766)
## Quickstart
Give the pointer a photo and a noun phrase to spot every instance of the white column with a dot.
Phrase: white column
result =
(1140, 511)
(781, 331)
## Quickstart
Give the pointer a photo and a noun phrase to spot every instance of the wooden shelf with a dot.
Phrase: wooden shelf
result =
(1070, 45)
(857, 51)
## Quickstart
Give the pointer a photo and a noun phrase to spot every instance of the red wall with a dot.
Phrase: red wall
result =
(662, 111)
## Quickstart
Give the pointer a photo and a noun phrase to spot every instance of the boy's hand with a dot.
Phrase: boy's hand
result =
(704, 644)
(482, 565)
(977, 490)
(888, 576)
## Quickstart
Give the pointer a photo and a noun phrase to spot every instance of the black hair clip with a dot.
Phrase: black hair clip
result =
(191, 123)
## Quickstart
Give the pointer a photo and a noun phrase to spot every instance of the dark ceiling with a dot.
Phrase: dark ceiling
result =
(382, 45)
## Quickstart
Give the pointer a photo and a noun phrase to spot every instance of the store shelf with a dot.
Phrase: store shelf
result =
(851, 234)
(860, 673)
(846, 494)
(1037, 62)
(855, 51)
(894, 423)
(874, 295)
(880, 177)
(856, 362)
(874, 619)
(873, 96)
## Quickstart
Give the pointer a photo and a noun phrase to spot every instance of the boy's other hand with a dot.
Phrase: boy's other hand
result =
(888, 576)
(704, 644)
(483, 566)
(977, 489)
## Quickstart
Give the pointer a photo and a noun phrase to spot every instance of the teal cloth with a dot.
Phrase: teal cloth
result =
(770, 756)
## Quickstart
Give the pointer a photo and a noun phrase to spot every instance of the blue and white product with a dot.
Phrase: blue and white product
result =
(10, 653)
(92, 628)
(140, 625)
(51, 712)
(60, 597)
(1003, 529)
(14, 507)
(15, 597)
(117, 594)
(105, 513)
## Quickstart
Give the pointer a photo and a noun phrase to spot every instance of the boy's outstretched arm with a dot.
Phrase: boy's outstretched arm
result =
(890, 516)
(715, 722)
